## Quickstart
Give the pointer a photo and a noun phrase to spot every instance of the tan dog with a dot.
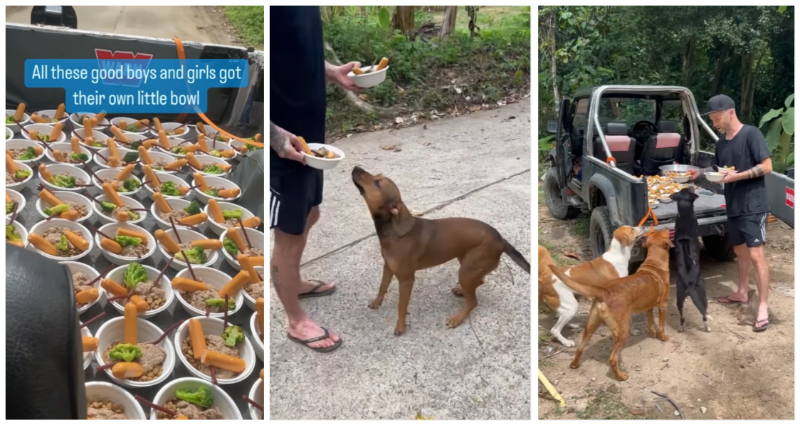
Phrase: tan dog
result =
(411, 243)
(613, 264)
(614, 303)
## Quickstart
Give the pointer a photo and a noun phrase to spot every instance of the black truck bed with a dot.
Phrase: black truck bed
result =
(707, 204)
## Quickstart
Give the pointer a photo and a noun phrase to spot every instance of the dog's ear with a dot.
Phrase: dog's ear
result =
(674, 196)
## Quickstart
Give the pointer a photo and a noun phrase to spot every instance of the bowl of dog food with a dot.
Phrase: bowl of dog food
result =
(140, 280)
(12, 197)
(127, 243)
(131, 125)
(44, 133)
(183, 212)
(16, 234)
(215, 188)
(257, 395)
(207, 291)
(171, 396)
(323, 157)
(77, 119)
(65, 201)
(24, 150)
(370, 76)
(105, 400)
(61, 240)
(82, 275)
(200, 250)
(236, 242)
(172, 130)
(171, 186)
(63, 177)
(9, 133)
(49, 116)
(63, 153)
(95, 139)
(17, 173)
(228, 342)
(125, 182)
(19, 115)
(222, 215)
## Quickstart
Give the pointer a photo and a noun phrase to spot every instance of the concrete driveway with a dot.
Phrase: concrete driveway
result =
(476, 166)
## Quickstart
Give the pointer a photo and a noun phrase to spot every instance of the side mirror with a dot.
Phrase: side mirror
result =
(552, 127)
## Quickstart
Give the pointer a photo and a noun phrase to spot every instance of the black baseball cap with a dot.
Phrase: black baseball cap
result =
(718, 103)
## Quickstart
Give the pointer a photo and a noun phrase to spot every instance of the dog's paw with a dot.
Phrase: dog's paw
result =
(681, 329)
(663, 337)
(457, 291)
(574, 365)
(454, 321)
(375, 303)
(708, 328)
(399, 330)
(622, 376)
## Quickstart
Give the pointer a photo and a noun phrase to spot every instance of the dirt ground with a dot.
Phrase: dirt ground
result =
(730, 373)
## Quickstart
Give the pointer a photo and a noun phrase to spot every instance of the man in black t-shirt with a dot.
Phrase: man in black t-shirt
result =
(298, 73)
(743, 157)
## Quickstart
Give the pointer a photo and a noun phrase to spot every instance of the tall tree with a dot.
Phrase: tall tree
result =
(449, 24)
(403, 20)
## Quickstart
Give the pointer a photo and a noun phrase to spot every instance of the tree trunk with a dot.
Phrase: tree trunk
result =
(551, 36)
(474, 29)
(747, 80)
(403, 20)
(688, 58)
(449, 24)
(363, 10)
(716, 83)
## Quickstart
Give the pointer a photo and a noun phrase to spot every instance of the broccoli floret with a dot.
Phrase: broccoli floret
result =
(213, 193)
(125, 352)
(233, 335)
(135, 145)
(202, 397)
(45, 138)
(9, 119)
(215, 153)
(9, 207)
(213, 169)
(11, 233)
(196, 255)
(108, 206)
(131, 128)
(130, 185)
(58, 209)
(79, 156)
(169, 188)
(22, 174)
(129, 241)
(30, 153)
(227, 215)
(134, 274)
(97, 144)
(230, 246)
(63, 246)
(179, 150)
(63, 180)
(219, 302)
(193, 208)
(133, 216)
(220, 139)
(131, 157)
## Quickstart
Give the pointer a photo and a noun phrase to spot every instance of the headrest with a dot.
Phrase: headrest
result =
(668, 127)
(616, 129)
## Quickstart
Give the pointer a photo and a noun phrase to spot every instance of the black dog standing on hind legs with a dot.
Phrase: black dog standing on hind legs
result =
(687, 250)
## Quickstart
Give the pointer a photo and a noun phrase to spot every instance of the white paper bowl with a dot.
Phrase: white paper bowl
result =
(174, 141)
(169, 126)
(91, 273)
(165, 177)
(714, 177)
(225, 206)
(26, 143)
(87, 355)
(67, 196)
(118, 275)
(105, 391)
(215, 182)
(256, 239)
(51, 113)
(42, 226)
(66, 149)
(105, 154)
(369, 79)
(207, 160)
(258, 345)
(132, 137)
(21, 231)
(18, 198)
(236, 145)
(174, 203)
(128, 121)
(111, 173)
(24, 167)
(250, 301)
(187, 236)
(45, 129)
(323, 163)
(158, 154)
(98, 136)
(9, 133)
(257, 395)
(26, 119)
(212, 326)
(111, 230)
(128, 201)
(56, 169)
(74, 118)
(114, 330)
(212, 277)
(221, 398)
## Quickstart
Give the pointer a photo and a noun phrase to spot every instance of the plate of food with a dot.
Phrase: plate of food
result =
(123, 243)
(244, 148)
(168, 185)
(14, 116)
(148, 288)
(208, 165)
(79, 119)
(225, 214)
(207, 188)
(193, 398)
(44, 133)
(23, 150)
(370, 76)
(121, 181)
(160, 161)
(200, 250)
(254, 287)
(321, 156)
(67, 205)
(61, 240)
(86, 283)
(131, 125)
(105, 400)
(134, 351)
(16, 234)
(15, 198)
(171, 129)
(182, 212)
(69, 153)
(203, 289)
(205, 342)
(17, 173)
(51, 116)
(57, 177)
(235, 242)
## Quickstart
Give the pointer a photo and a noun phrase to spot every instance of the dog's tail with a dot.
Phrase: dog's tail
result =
(586, 290)
(517, 257)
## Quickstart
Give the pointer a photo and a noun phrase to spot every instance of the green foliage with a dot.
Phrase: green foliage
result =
(125, 353)
(249, 23)
(780, 134)
(545, 144)
(135, 274)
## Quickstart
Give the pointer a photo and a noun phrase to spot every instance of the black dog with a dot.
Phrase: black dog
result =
(687, 250)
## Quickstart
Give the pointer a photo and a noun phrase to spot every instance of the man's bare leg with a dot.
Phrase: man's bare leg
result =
(307, 285)
(759, 258)
(745, 262)
(285, 275)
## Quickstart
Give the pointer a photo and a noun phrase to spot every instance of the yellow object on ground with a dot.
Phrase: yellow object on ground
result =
(551, 389)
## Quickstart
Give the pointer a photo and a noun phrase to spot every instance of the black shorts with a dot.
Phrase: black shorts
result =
(748, 229)
(293, 192)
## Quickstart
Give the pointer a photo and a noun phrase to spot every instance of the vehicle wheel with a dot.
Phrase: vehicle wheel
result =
(633, 267)
(718, 248)
(601, 231)
(559, 208)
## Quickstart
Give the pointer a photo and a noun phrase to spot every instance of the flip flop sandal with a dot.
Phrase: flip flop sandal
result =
(324, 336)
(728, 301)
(763, 328)
(313, 293)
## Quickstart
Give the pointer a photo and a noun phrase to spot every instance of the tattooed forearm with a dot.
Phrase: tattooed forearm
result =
(277, 140)
(755, 172)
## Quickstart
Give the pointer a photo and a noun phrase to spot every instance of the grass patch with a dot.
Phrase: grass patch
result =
(249, 24)
(544, 339)
(604, 406)
(545, 364)
(581, 227)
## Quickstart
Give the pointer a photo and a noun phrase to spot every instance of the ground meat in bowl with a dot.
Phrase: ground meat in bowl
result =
(254, 252)
(153, 295)
(16, 152)
(80, 282)
(255, 290)
(215, 343)
(137, 251)
(191, 411)
(53, 235)
(186, 246)
(152, 360)
(159, 164)
(113, 213)
(82, 210)
(215, 190)
(176, 215)
(197, 299)
(105, 410)
(11, 179)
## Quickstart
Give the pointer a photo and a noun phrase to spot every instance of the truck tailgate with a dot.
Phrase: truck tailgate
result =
(780, 189)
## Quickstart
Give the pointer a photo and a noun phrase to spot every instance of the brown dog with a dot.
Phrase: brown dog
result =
(411, 243)
(614, 302)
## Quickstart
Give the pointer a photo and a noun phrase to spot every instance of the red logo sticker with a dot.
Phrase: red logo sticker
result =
(107, 59)
(790, 197)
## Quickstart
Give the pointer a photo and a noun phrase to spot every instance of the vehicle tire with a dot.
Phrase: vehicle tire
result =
(718, 248)
(552, 197)
(601, 232)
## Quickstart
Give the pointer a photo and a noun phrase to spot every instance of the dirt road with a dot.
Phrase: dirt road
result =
(205, 24)
(730, 373)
